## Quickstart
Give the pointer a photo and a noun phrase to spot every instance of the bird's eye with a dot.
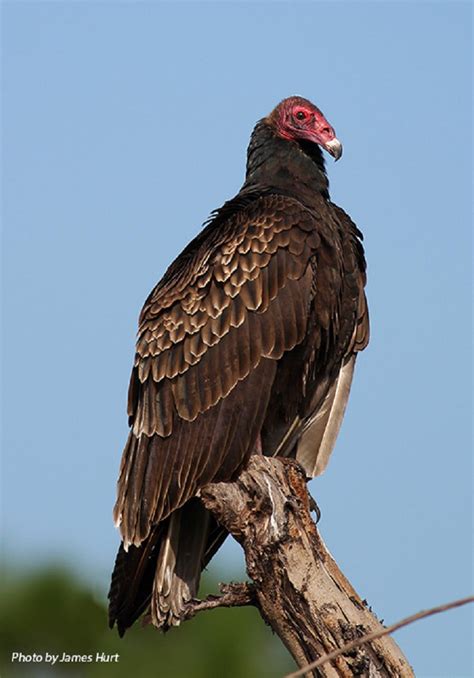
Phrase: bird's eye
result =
(301, 115)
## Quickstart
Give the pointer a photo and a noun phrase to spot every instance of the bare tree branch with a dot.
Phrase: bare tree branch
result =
(233, 595)
(379, 634)
(299, 589)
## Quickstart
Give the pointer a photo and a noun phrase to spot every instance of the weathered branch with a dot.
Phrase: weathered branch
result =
(298, 587)
(233, 595)
(377, 634)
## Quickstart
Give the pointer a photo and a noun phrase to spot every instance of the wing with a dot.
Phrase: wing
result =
(209, 338)
(338, 330)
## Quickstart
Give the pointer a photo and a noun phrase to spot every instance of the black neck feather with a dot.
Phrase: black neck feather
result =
(274, 165)
(294, 168)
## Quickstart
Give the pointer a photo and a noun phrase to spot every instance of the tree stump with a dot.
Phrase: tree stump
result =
(297, 586)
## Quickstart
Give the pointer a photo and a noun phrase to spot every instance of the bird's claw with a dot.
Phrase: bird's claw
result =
(314, 507)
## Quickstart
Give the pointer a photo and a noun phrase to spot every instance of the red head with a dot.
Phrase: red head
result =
(298, 119)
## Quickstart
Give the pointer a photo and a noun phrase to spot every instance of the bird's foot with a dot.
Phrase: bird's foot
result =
(313, 506)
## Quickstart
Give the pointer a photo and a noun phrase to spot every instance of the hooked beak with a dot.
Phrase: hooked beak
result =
(334, 147)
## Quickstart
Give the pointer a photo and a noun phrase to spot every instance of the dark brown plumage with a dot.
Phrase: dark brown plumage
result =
(247, 343)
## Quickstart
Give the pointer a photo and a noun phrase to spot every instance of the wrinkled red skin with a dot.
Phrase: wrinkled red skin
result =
(312, 127)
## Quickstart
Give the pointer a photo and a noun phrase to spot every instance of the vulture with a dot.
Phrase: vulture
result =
(247, 345)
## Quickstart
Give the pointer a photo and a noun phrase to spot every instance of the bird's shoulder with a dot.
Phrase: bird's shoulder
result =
(352, 235)
(237, 242)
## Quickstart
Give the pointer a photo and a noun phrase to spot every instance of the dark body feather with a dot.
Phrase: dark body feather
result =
(247, 343)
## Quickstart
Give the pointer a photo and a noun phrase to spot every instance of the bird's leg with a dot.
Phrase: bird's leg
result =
(258, 445)
(313, 506)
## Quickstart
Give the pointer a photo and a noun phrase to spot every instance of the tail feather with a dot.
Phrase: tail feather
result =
(163, 573)
(132, 581)
(179, 564)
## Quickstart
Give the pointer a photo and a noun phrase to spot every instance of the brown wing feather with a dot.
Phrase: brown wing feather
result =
(322, 367)
(209, 337)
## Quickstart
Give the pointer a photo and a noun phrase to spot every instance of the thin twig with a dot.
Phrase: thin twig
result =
(378, 634)
(233, 595)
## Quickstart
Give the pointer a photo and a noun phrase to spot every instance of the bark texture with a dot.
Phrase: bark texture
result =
(297, 586)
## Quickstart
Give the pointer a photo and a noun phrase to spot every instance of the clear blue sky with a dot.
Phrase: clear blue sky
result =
(124, 125)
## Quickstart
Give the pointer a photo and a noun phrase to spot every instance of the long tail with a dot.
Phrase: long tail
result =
(163, 573)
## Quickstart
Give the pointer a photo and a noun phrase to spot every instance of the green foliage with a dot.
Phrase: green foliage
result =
(51, 611)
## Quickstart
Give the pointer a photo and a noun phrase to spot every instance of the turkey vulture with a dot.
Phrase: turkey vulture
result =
(246, 345)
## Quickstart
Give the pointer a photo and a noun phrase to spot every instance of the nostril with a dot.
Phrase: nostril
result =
(326, 130)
